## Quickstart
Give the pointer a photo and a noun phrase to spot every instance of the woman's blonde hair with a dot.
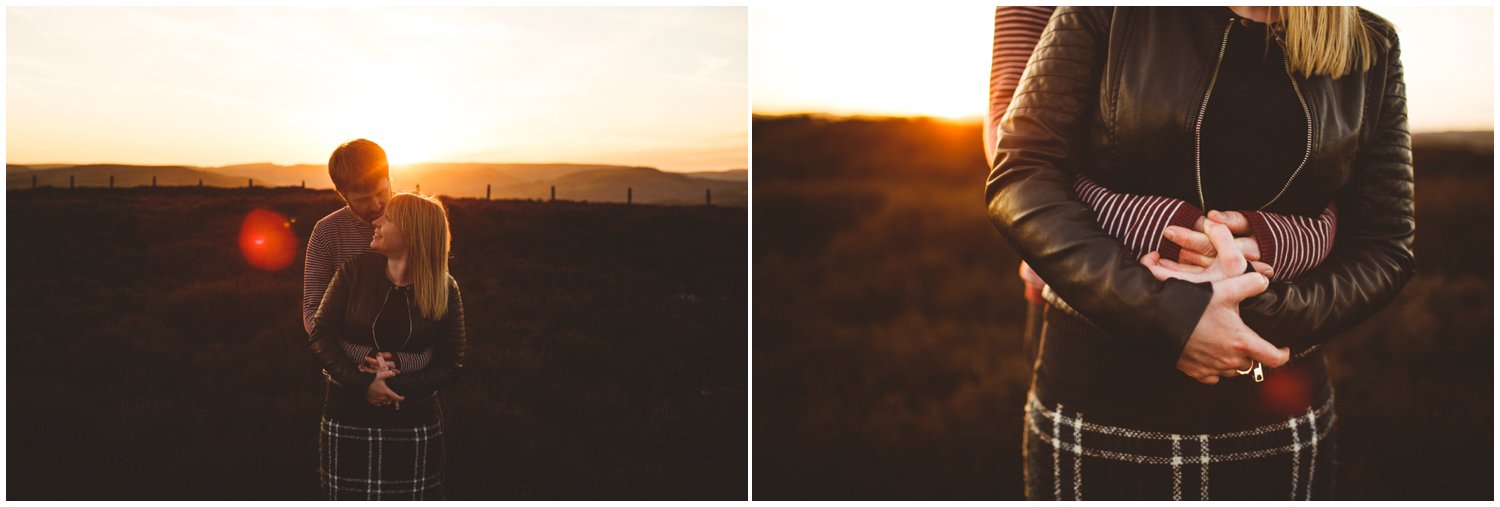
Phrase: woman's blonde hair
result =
(1330, 41)
(424, 222)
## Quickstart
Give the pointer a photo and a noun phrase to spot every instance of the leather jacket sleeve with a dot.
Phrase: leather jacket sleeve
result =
(447, 353)
(1372, 256)
(328, 329)
(1031, 200)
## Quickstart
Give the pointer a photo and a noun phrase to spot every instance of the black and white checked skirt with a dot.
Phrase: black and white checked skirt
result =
(363, 463)
(1070, 457)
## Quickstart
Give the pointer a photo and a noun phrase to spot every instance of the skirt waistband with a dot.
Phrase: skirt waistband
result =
(1077, 433)
(1092, 370)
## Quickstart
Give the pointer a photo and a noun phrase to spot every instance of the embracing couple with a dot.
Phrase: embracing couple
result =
(1178, 352)
(386, 320)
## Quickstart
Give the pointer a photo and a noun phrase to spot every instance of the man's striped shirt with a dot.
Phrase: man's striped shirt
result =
(335, 239)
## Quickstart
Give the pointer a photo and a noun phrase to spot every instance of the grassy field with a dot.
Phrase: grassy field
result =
(148, 360)
(888, 319)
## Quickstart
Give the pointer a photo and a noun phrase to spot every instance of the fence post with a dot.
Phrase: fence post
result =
(200, 182)
(419, 189)
(250, 183)
(33, 181)
(304, 183)
(708, 198)
(111, 181)
(554, 192)
(486, 191)
(629, 195)
(153, 181)
(70, 181)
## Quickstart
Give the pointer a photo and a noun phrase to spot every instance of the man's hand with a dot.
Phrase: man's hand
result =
(1198, 249)
(1230, 261)
(1221, 343)
(378, 394)
(379, 361)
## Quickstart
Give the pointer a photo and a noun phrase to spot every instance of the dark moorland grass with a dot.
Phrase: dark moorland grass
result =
(148, 360)
(888, 317)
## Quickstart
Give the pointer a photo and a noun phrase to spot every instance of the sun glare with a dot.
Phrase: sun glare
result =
(889, 62)
(410, 116)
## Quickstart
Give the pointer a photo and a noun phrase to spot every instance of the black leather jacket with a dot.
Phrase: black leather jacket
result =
(1116, 93)
(354, 297)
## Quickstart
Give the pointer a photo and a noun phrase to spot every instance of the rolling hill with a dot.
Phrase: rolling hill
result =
(590, 182)
(97, 175)
(647, 185)
(730, 175)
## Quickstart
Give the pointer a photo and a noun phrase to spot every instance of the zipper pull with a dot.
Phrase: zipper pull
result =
(1260, 373)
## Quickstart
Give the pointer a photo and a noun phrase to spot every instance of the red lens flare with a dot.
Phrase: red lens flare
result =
(1286, 391)
(267, 241)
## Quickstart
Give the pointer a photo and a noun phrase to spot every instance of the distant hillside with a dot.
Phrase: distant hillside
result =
(646, 184)
(272, 175)
(1468, 154)
(97, 175)
(591, 182)
(437, 175)
(454, 179)
(730, 175)
(1481, 141)
(519, 172)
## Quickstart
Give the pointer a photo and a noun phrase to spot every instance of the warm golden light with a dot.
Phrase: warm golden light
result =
(917, 60)
(934, 60)
(658, 87)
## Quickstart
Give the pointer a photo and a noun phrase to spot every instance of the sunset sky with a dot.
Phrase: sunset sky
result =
(933, 60)
(662, 87)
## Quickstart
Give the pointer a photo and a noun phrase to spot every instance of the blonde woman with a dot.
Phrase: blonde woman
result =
(1160, 380)
(381, 436)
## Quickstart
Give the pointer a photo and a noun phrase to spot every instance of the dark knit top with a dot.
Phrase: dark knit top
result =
(1252, 94)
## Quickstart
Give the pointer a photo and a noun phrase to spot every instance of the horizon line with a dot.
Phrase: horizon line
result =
(979, 119)
(325, 164)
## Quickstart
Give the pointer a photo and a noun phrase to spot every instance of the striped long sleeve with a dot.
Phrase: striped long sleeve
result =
(1291, 244)
(1017, 30)
(1137, 220)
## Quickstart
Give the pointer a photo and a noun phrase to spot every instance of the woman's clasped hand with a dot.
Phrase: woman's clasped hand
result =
(1221, 344)
(1199, 259)
(378, 393)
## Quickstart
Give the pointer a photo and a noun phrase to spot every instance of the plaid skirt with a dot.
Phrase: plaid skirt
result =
(360, 463)
(1069, 457)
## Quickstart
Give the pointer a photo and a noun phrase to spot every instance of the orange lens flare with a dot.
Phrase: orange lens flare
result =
(267, 241)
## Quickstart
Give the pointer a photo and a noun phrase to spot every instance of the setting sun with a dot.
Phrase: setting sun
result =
(212, 86)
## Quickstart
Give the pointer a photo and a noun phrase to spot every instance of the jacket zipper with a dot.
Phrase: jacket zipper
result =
(1257, 369)
(1203, 108)
(1306, 113)
(1198, 125)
